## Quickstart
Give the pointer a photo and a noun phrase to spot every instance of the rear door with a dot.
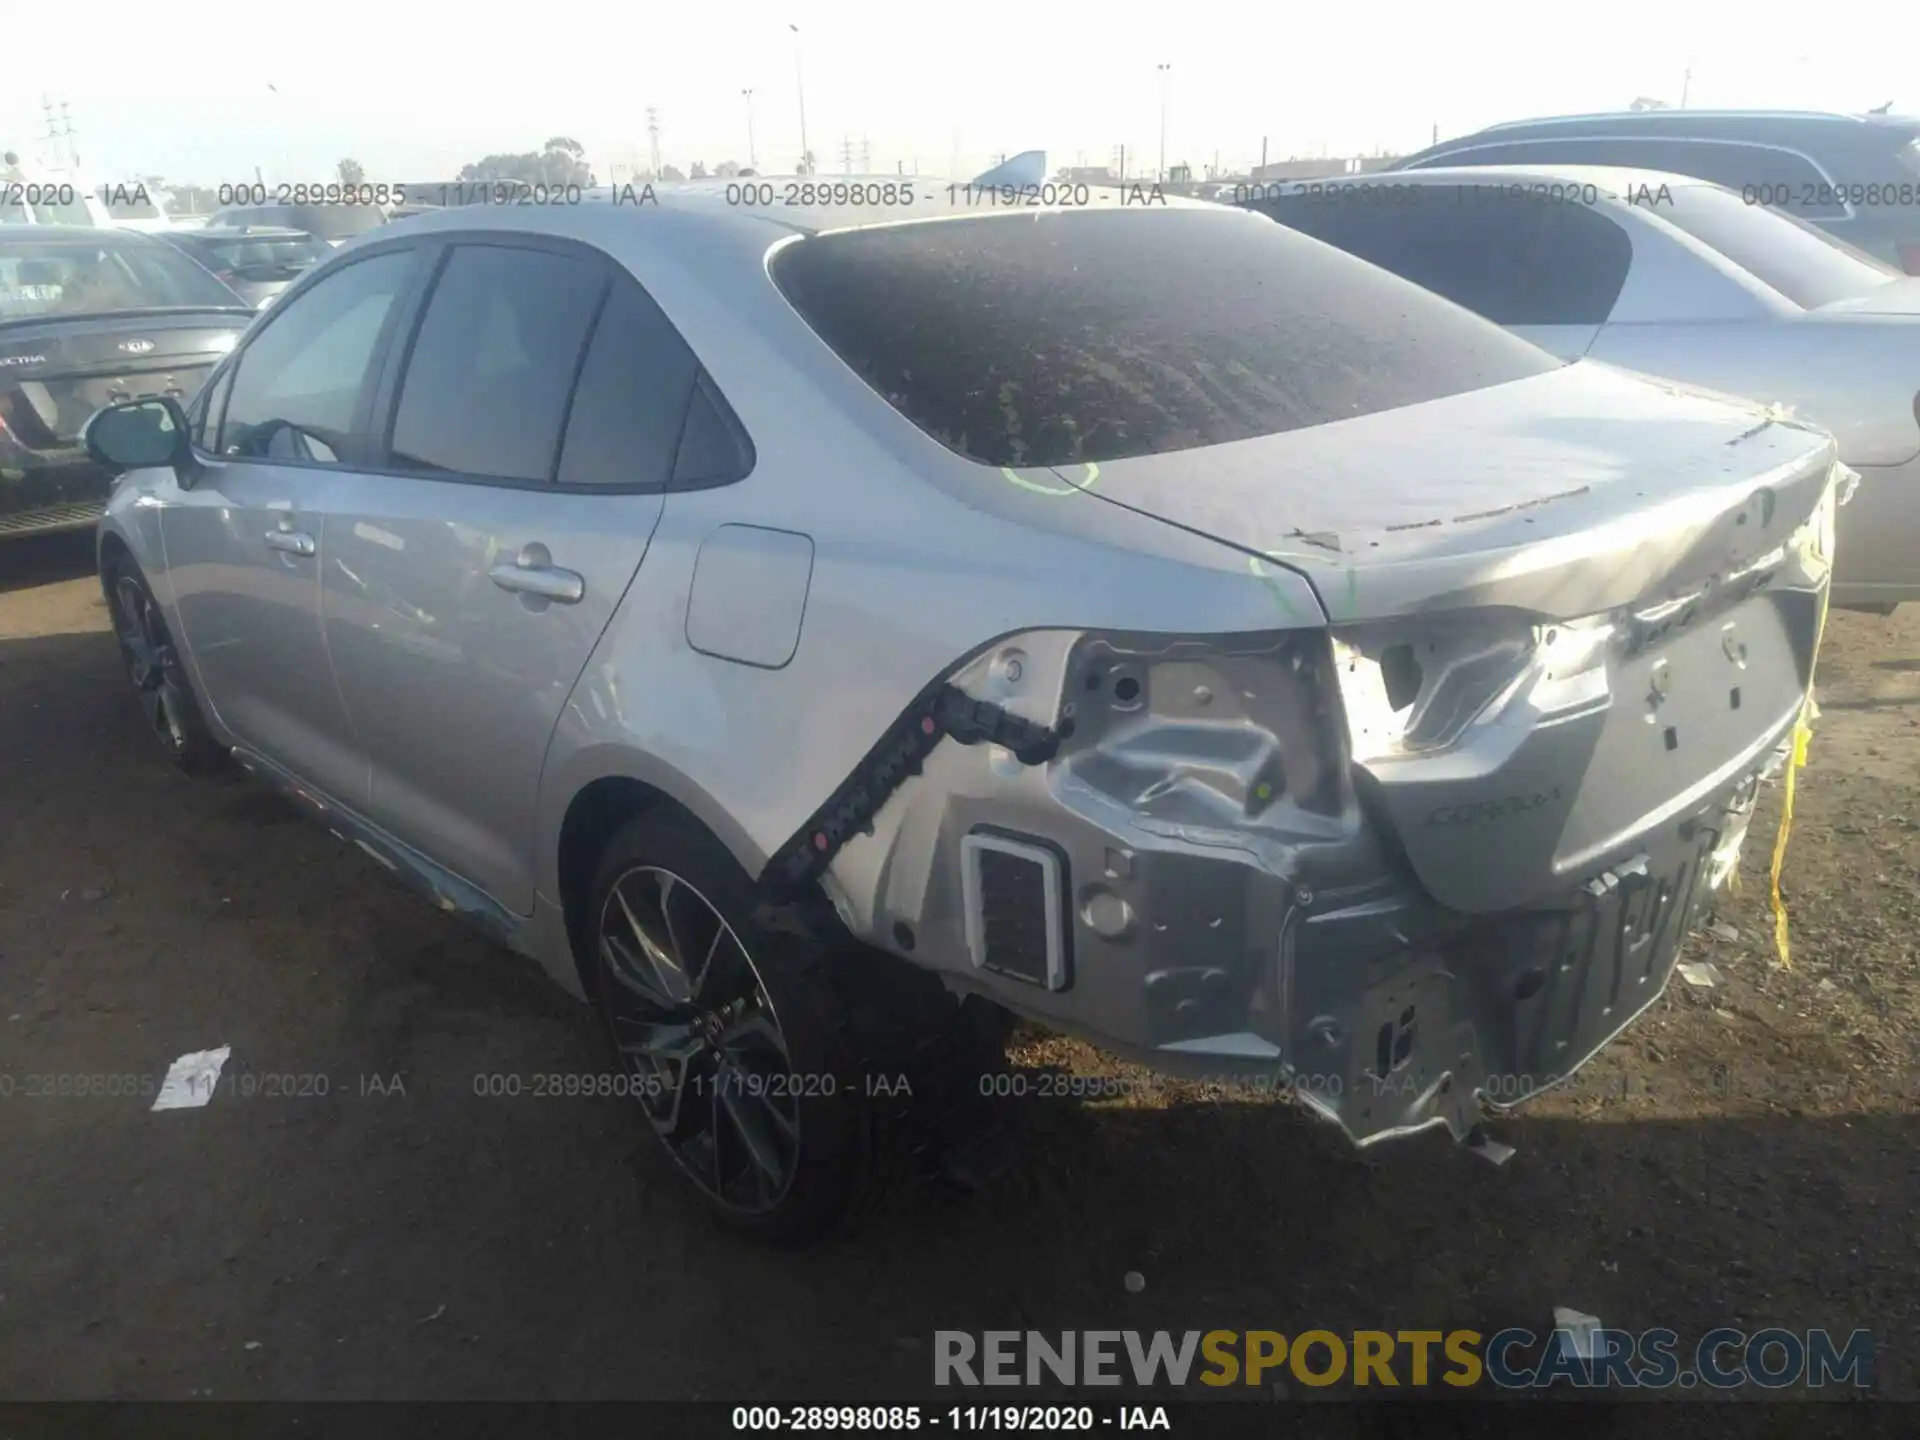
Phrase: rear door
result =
(287, 424)
(532, 433)
(1547, 267)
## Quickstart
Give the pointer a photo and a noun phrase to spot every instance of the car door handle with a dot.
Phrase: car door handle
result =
(294, 542)
(549, 582)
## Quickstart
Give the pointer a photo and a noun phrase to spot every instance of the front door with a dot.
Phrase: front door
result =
(468, 582)
(244, 542)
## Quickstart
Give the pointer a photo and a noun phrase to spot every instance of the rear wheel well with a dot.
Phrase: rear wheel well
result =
(592, 819)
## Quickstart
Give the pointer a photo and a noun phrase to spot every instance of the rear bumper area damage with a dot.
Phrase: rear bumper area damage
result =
(1401, 870)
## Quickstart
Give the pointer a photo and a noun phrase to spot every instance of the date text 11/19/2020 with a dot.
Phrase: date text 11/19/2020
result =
(898, 1419)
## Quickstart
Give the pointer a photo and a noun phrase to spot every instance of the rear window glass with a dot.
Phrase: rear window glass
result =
(334, 222)
(1098, 335)
(1778, 249)
(327, 222)
(93, 277)
(263, 252)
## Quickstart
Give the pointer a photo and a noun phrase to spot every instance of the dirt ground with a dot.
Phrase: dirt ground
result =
(1745, 1156)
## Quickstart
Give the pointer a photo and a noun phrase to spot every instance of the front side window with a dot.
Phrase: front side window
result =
(485, 392)
(1515, 259)
(299, 382)
(1097, 335)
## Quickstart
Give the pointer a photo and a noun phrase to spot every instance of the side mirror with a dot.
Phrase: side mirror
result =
(138, 434)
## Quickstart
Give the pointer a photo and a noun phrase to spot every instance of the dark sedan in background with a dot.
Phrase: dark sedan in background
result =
(89, 317)
(1855, 176)
(256, 263)
(335, 224)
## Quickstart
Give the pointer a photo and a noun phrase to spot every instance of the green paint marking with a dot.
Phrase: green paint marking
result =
(1280, 596)
(1263, 791)
(1093, 475)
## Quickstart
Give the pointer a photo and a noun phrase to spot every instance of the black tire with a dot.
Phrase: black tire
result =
(159, 675)
(743, 1090)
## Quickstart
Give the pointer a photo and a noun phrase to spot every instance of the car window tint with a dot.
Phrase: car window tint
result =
(1095, 335)
(714, 449)
(1515, 259)
(485, 391)
(1775, 247)
(632, 397)
(300, 378)
(208, 408)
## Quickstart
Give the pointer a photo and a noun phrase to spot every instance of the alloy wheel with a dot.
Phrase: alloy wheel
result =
(152, 662)
(692, 1020)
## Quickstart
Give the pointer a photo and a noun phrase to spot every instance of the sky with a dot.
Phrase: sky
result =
(415, 91)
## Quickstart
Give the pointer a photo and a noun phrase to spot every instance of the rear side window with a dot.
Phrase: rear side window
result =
(1099, 335)
(485, 391)
(1515, 259)
(632, 397)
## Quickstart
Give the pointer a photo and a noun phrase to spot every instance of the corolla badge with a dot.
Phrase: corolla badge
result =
(136, 347)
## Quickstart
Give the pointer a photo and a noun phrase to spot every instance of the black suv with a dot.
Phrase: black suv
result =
(1855, 176)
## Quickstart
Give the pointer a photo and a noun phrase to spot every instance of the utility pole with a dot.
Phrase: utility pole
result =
(846, 154)
(1263, 152)
(1163, 122)
(866, 156)
(752, 159)
(653, 139)
(800, 89)
(1686, 84)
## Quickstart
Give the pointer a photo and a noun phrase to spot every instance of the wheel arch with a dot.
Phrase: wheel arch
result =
(602, 801)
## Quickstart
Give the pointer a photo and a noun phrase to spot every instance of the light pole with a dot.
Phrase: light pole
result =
(1163, 121)
(752, 160)
(280, 113)
(800, 87)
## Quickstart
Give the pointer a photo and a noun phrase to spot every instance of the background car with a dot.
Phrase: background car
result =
(621, 577)
(89, 317)
(334, 224)
(256, 263)
(1675, 277)
(1857, 176)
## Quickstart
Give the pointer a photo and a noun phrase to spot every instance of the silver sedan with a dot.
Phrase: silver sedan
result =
(815, 635)
(1675, 277)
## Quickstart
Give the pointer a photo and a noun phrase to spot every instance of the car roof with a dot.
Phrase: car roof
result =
(1613, 182)
(934, 199)
(1715, 121)
(53, 234)
(692, 218)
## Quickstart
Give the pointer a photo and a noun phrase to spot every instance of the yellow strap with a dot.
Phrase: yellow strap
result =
(1802, 734)
(1802, 738)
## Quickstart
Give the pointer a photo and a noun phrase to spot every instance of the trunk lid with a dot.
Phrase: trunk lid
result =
(1572, 617)
(1564, 495)
(54, 375)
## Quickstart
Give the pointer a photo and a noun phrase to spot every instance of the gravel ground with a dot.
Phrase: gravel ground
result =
(1745, 1155)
